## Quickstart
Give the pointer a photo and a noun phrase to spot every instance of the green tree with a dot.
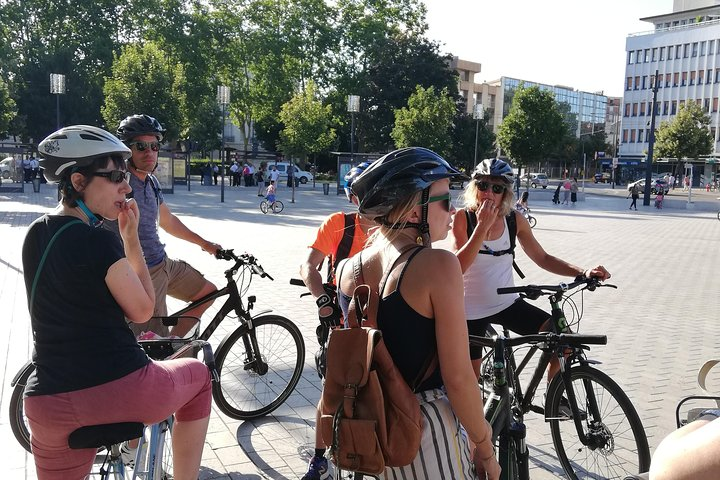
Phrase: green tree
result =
(7, 109)
(533, 128)
(144, 81)
(426, 121)
(462, 150)
(686, 136)
(306, 124)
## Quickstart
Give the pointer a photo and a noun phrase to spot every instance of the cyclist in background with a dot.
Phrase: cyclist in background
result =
(143, 134)
(484, 241)
(340, 236)
(82, 284)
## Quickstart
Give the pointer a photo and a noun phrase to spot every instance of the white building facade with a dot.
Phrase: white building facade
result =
(684, 48)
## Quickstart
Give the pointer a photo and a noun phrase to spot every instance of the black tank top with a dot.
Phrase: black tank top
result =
(409, 336)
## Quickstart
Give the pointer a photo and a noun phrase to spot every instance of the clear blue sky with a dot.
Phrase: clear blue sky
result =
(577, 43)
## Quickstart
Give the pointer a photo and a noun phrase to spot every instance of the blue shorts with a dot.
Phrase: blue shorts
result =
(271, 198)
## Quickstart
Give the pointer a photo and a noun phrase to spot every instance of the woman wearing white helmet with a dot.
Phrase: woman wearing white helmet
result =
(82, 284)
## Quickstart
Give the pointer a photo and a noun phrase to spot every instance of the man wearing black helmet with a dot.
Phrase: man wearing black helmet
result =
(176, 278)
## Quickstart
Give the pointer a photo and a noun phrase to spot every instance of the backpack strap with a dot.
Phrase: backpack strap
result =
(512, 234)
(343, 249)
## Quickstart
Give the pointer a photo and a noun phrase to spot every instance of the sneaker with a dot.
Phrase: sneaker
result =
(565, 410)
(317, 469)
(128, 455)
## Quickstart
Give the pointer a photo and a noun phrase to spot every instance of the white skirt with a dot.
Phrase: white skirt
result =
(444, 449)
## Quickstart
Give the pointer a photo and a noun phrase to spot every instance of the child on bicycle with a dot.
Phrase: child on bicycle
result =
(522, 204)
(82, 284)
(270, 193)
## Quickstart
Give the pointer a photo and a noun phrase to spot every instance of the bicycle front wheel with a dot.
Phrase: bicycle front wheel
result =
(277, 206)
(616, 442)
(253, 384)
(264, 206)
(532, 221)
(163, 464)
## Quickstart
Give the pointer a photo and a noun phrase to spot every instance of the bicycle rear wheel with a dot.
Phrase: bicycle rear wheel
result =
(248, 388)
(617, 444)
(18, 421)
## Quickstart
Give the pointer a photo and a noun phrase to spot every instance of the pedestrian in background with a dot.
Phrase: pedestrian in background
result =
(635, 194)
(566, 192)
(261, 178)
(573, 191)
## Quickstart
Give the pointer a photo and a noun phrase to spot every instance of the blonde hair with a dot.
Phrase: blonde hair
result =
(392, 224)
(470, 197)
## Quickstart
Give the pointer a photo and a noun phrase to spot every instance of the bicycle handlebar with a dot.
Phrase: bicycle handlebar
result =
(329, 288)
(242, 260)
(534, 291)
(568, 339)
(297, 282)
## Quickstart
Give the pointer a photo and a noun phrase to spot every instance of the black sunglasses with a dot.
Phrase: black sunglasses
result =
(496, 188)
(440, 198)
(142, 146)
(115, 176)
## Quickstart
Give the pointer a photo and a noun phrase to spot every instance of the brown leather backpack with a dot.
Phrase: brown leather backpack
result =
(370, 417)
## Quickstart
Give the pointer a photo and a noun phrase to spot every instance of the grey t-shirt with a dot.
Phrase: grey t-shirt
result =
(148, 196)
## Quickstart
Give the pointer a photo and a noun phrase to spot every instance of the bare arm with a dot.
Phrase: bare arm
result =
(128, 279)
(175, 227)
(310, 273)
(466, 249)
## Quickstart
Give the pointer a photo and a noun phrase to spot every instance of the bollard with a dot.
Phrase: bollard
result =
(326, 189)
(36, 184)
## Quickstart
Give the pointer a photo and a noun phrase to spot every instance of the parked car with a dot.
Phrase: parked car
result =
(657, 185)
(535, 180)
(603, 177)
(300, 174)
(458, 181)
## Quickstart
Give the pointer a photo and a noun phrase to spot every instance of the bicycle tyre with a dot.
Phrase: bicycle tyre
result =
(18, 422)
(244, 394)
(163, 467)
(508, 458)
(532, 221)
(718, 215)
(277, 206)
(623, 448)
(264, 206)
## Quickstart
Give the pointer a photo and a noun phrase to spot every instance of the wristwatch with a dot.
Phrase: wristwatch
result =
(323, 300)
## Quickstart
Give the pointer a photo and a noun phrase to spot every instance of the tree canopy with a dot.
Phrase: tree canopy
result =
(533, 128)
(686, 136)
(7, 109)
(426, 121)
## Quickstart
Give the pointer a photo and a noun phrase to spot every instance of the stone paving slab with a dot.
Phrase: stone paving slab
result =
(660, 322)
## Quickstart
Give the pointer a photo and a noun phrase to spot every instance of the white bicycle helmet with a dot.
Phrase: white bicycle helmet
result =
(77, 146)
(494, 167)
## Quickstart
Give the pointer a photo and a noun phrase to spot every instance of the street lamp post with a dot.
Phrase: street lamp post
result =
(651, 143)
(353, 106)
(223, 98)
(57, 88)
(478, 112)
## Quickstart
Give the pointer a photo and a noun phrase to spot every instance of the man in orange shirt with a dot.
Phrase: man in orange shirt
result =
(340, 236)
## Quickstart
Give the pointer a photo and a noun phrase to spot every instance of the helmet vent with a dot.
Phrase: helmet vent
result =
(87, 136)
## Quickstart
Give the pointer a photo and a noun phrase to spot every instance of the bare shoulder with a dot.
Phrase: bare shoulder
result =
(436, 262)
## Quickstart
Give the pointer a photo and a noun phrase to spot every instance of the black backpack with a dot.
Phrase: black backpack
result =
(512, 232)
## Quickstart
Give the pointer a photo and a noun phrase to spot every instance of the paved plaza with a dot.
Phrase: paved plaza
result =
(661, 322)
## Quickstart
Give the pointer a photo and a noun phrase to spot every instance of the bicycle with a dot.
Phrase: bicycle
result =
(501, 409)
(525, 212)
(276, 206)
(596, 431)
(259, 362)
(153, 460)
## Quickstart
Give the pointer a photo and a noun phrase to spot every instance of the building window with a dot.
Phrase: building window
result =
(695, 49)
(673, 107)
(627, 109)
(642, 109)
(717, 75)
(625, 135)
(632, 135)
(647, 55)
(670, 52)
(682, 103)
(709, 77)
(712, 132)
(715, 104)
(692, 77)
(678, 51)
(637, 83)
(654, 54)
(628, 83)
(666, 107)
(635, 109)
(662, 53)
(701, 77)
(667, 79)
(711, 47)
(631, 57)
(652, 82)
(676, 79)
(640, 135)
(644, 82)
(703, 47)
(706, 105)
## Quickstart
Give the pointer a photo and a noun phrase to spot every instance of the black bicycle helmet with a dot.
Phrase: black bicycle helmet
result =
(77, 146)
(396, 176)
(494, 167)
(136, 125)
(353, 174)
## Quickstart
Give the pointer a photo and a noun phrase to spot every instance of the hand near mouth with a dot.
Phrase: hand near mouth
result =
(128, 219)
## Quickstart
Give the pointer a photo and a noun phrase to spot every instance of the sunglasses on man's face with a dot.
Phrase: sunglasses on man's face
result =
(440, 198)
(115, 176)
(142, 146)
(496, 188)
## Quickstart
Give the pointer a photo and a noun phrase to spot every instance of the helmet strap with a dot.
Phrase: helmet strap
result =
(424, 236)
(92, 218)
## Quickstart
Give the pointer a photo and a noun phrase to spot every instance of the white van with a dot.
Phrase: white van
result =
(301, 175)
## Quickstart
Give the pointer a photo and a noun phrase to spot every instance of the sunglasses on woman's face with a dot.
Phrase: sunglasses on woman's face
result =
(440, 198)
(142, 146)
(496, 188)
(115, 176)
